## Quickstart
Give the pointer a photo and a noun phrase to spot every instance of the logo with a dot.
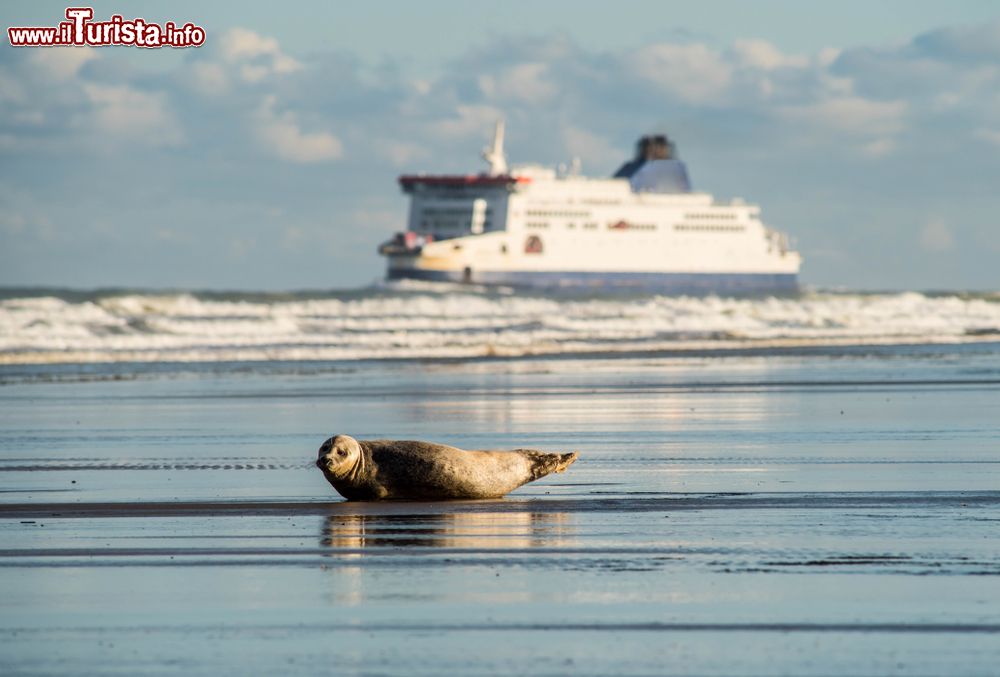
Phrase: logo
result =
(79, 30)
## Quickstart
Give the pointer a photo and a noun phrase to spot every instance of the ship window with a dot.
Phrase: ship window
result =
(710, 216)
(556, 213)
(536, 224)
(709, 227)
(503, 249)
(627, 225)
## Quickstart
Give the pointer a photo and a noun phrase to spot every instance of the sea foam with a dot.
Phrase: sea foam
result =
(454, 322)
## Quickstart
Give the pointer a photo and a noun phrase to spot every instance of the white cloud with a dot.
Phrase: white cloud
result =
(989, 135)
(936, 236)
(240, 247)
(63, 63)
(958, 87)
(826, 56)
(468, 120)
(123, 112)
(293, 237)
(241, 44)
(375, 219)
(37, 226)
(878, 148)
(12, 90)
(238, 56)
(13, 224)
(851, 115)
(962, 43)
(523, 82)
(763, 55)
(592, 149)
(209, 78)
(832, 85)
(694, 73)
(400, 153)
(257, 56)
(280, 133)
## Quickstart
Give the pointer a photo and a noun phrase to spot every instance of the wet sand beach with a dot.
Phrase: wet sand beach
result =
(822, 512)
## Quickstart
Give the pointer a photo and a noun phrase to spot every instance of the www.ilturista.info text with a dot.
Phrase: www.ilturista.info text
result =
(79, 30)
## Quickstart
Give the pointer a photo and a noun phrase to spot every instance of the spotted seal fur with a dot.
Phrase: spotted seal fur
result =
(367, 470)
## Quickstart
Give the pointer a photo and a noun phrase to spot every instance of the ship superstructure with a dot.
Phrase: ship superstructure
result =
(533, 226)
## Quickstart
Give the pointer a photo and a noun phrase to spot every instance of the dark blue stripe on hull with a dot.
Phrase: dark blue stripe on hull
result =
(678, 283)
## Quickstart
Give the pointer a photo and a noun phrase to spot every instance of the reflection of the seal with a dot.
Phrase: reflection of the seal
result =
(352, 533)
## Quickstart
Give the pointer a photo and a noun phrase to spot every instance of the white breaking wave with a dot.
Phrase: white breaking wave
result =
(453, 323)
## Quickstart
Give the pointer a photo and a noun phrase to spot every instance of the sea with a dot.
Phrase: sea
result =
(796, 485)
(414, 320)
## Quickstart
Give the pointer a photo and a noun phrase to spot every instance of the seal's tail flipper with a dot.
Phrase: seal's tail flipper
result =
(543, 464)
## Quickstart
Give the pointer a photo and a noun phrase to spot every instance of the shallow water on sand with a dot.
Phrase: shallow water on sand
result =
(836, 512)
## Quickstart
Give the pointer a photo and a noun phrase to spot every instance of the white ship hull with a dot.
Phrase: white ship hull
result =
(671, 283)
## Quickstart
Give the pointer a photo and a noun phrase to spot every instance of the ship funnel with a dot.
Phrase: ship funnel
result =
(494, 155)
(654, 147)
(655, 167)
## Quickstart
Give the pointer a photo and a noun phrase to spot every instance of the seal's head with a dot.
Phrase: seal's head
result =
(338, 456)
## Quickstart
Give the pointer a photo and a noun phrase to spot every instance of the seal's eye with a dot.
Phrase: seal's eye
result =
(341, 453)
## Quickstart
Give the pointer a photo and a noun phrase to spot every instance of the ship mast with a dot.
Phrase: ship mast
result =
(494, 154)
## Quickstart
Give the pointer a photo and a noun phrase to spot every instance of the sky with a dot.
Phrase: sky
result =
(267, 158)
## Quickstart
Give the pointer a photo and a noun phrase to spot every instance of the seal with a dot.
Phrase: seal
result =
(371, 470)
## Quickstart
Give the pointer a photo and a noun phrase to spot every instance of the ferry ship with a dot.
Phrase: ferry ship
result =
(537, 227)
